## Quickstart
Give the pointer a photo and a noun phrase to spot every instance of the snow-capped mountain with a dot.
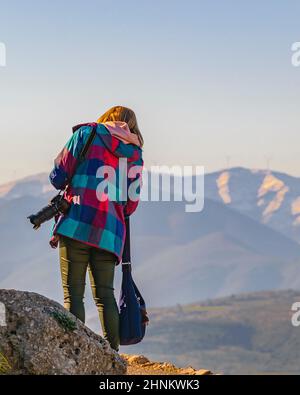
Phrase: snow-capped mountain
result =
(36, 185)
(272, 198)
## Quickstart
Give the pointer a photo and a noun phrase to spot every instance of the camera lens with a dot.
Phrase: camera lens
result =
(33, 220)
(42, 216)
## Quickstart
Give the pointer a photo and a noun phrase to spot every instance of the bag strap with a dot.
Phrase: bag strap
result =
(138, 294)
(85, 149)
(126, 257)
(88, 143)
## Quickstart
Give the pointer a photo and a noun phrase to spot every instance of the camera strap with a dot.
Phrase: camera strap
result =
(85, 148)
(88, 143)
(126, 257)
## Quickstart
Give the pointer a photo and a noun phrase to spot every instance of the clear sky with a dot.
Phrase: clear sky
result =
(208, 79)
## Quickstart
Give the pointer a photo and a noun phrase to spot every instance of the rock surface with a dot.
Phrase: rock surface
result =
(139, 364)
(41, 337)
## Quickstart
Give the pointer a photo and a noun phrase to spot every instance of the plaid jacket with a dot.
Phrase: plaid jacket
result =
(95, 218)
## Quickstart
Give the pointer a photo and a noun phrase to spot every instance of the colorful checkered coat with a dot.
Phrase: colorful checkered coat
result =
(97, 223)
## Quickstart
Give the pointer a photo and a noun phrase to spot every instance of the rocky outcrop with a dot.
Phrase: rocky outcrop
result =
(41, 337)
(140, 365)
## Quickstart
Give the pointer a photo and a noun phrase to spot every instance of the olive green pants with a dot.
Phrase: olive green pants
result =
(75, 259)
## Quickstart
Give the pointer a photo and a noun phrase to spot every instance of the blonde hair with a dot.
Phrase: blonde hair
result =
(124, 114)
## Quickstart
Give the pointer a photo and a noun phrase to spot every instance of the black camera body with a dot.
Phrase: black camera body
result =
(57, 205)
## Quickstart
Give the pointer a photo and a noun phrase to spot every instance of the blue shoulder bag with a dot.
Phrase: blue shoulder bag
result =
(132, 307)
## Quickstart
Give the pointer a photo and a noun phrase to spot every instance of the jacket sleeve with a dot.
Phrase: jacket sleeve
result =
(134, 189)
(66, 162)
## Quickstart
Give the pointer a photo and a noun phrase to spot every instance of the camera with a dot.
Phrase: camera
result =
(57, 205)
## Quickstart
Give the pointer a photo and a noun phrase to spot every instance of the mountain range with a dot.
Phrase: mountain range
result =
(245, 239)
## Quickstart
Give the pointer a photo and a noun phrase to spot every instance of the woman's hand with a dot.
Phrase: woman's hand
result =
(54, 241)
(145, 318)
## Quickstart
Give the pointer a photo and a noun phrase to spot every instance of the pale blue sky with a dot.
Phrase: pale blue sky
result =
(207, 79)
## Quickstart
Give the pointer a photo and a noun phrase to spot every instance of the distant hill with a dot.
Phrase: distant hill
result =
(35, 185)
(242, 334)
(180, 257)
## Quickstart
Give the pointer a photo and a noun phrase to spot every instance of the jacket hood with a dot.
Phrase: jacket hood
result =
(122, 132)
(118, 139)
